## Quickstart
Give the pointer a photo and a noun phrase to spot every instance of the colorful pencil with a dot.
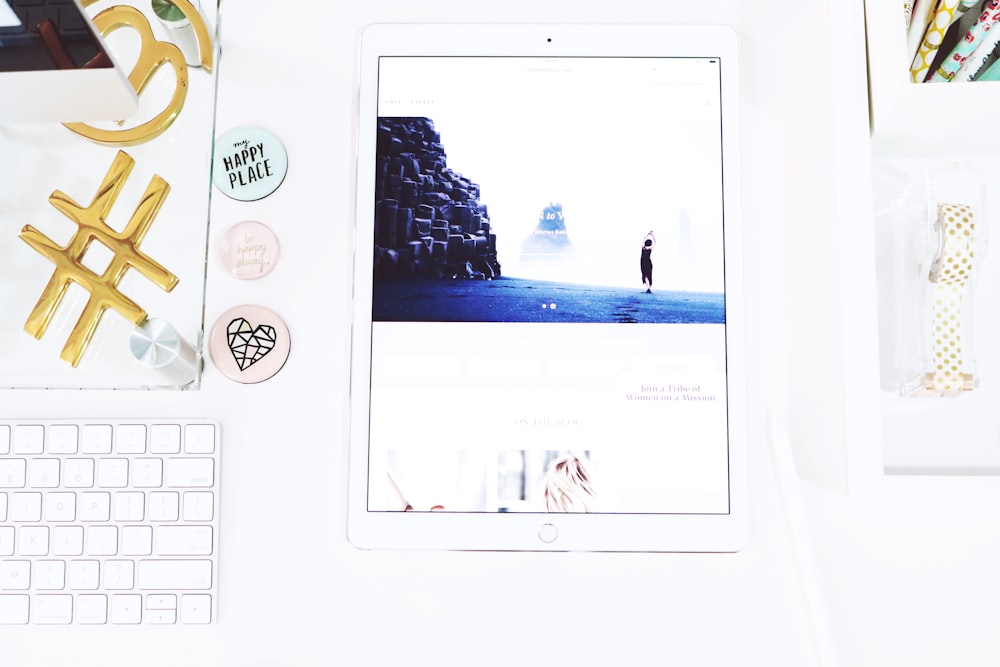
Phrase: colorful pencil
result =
(963, 7)
(923, 11)
(975, 64)
(958, 55)
(932, 39)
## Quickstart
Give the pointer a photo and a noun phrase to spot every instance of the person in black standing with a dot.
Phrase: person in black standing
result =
(646, 261)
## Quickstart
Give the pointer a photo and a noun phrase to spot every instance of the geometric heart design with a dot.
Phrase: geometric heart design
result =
(247, 344)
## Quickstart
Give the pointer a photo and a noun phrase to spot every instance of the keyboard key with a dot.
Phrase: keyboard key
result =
(78, 473)
(190, 473)
(198, 506)
(43, 473)
(28, 439)
(33, 540)
(60, 506)
(175, 575)
(183, 540)
(95, 439)
(129, 506)
(3, 506)
(165, 439)
(147, 473)
(12, 473)
(92, 609)
(119, 575)
(49, 575)
(25, 507)
(199, 439)
(137, 541)
(161, 616)
(131, 439)
(196, 609)
(126, 609)
(4, 439)
(52, 609)
(71, 22)
(155, 601)
(84, 575)
(102, 541)
(62, 439)
(15, 575)
(6, 541)
(163, 506)
(67, 541)
(13, 609)
(112, 473)
(95, 506)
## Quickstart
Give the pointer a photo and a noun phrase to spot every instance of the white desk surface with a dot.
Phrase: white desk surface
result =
(294, 592)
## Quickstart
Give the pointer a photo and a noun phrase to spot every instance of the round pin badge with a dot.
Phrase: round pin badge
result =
(249, 344)
(249, 250)
(250, 163)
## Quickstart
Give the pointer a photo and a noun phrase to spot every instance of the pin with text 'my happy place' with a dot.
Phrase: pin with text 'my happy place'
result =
(250, 163)
(249, 344)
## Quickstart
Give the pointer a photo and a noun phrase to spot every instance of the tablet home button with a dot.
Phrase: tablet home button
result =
(548, 533)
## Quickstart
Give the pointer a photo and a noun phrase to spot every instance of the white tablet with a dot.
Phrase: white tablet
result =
(548, 333)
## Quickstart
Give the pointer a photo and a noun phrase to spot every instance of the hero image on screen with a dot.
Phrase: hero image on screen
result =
(618, 239)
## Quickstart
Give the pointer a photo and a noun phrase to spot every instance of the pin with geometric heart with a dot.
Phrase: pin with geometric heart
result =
(249, 344)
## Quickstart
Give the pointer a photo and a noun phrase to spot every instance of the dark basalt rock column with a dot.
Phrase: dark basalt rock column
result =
(428, 219)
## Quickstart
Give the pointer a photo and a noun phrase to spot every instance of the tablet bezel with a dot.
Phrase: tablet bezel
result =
(533, 531)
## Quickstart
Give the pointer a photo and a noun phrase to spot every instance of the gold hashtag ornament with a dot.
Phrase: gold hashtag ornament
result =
(103, 288)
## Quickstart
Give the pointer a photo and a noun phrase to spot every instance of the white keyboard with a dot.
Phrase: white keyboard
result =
(108, 521)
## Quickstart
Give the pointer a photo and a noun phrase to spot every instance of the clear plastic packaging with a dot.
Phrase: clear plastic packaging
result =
(157, 168)
(931, 229)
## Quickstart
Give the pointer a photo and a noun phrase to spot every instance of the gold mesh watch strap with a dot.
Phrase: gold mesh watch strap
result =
(950, 276)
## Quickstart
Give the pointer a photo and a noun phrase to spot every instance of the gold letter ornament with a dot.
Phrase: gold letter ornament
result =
(153, 54)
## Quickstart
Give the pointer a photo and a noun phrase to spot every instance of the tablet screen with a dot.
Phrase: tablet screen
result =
(548, 295)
